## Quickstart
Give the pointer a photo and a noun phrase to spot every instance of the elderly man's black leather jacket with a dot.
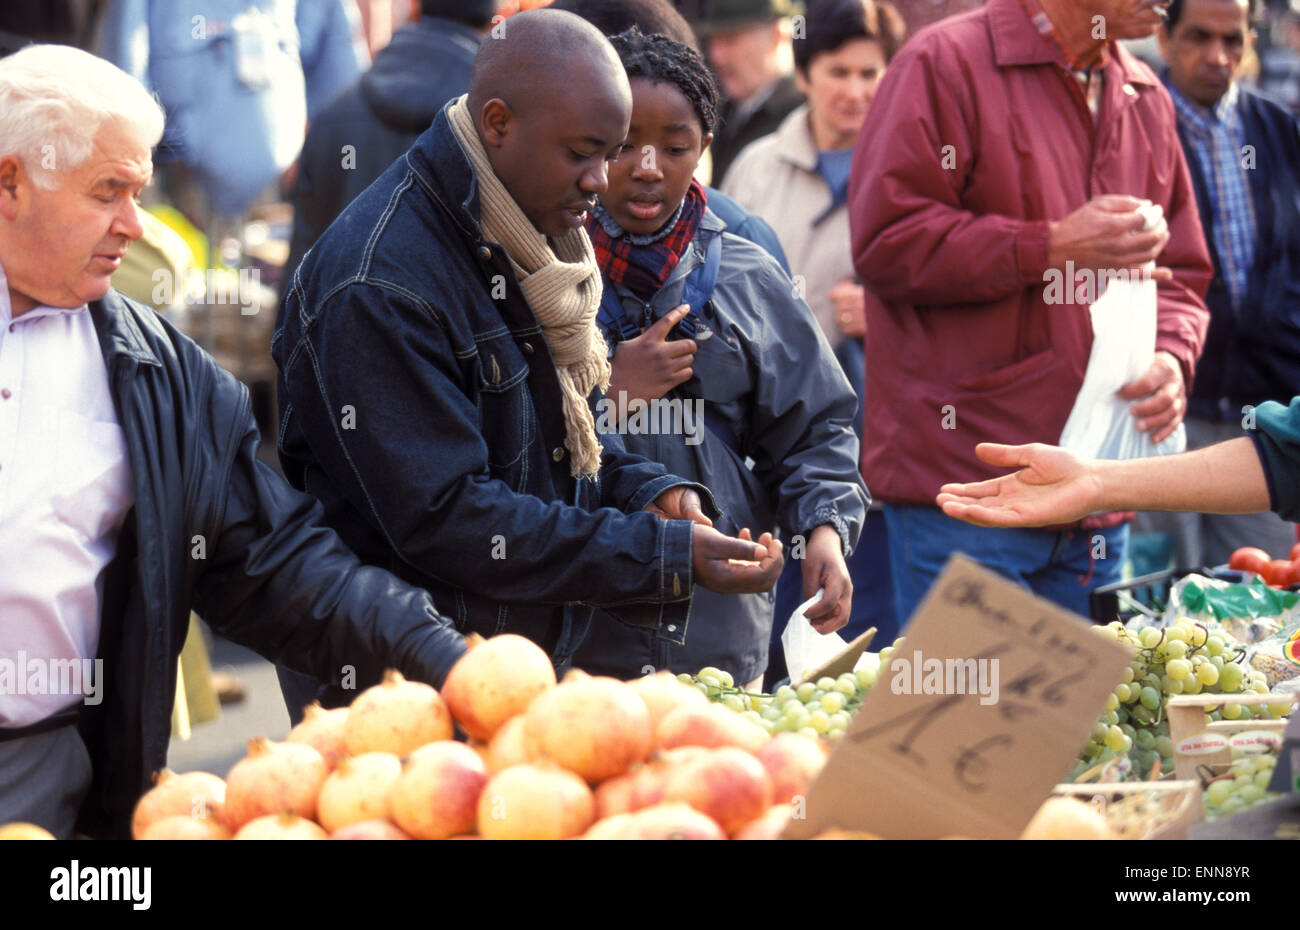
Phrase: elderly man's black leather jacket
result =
(216, 530)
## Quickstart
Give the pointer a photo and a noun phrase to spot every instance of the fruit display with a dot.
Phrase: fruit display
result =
(1184, 658)
(815, 709)
(586, 757)
(1243, 785)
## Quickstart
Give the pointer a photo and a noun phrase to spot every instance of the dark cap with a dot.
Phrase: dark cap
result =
(729, 15)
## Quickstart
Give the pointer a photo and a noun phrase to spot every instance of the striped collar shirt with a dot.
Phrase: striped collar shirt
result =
(1216, 140)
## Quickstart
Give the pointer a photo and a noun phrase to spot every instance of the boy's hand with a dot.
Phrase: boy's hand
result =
(651, 365)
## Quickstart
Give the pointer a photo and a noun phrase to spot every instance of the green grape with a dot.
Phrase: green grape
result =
(808, 732)
(792, 706)
(1279, 710)
(1218, 792)
(1176, 649)
(1145, 740)
(703, 688)
(1251, 793)
(1218, 662)
(1127, 675)
(1192, 685)
(710, 682)
(825, 683)
(866, 677)
(1121, 693)
(1230, 711)
(1260, 687)
(819, 720)
(1178, 633)
(1151, 680)
(835, 733)
(1263, 778)
(1111, 718)
(1112, 702)
(685, 679)
(1150, 698)
(1128, 730)
(1149, 636)
(1164, 746)
(1171, 685)
(805, 691)
(1230, 677)
(1207, 674)
(768, 725)
(840, 720)
(1099, 732)
(815, 697)
(1231, 806)
(1215, 644)
(784, 693)
(770, 712)
(1143, 716)
(833, 702)
(1178, 669)
(846, 688)
(1125, 744)
(1115, 739)
(735, 702)
(751, 715)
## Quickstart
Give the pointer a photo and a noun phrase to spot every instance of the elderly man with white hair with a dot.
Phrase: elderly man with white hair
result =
(130, 492)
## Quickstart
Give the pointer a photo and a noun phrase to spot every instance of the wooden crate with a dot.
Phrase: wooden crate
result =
(1186, 714)
(1148, 810)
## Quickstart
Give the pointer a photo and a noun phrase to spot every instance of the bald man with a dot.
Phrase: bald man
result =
(439, 367)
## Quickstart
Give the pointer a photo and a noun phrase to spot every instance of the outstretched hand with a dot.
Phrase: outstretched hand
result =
(1051, 487)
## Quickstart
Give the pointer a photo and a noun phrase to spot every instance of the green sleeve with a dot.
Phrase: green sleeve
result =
(1277, 440)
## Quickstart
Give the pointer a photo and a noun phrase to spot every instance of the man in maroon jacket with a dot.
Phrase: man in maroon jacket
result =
(1007, 147)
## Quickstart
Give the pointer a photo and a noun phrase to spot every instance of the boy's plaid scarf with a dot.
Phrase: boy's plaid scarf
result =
(643, 268)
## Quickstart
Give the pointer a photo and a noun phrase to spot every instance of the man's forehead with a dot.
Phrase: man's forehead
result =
(1223, 15)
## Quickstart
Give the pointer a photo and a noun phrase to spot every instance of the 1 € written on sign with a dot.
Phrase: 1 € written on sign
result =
(941, 761)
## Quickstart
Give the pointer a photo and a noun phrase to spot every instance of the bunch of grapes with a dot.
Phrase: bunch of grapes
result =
(824, 707)
(1181, 659)
(1245, 784)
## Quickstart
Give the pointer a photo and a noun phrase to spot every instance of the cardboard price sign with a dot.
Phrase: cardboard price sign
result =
(977, 718)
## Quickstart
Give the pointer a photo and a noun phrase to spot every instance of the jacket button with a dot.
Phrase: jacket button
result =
(6, 394)
(484, 253)
(528, 348)
(672, 628)
(558, 453)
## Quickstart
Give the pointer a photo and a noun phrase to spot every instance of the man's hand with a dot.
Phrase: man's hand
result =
(735, 566)
(1106, 234)
(823, 567)
(679, 503)
(849, 300)
(651, 365)
(1165, 396)
(1051, 487)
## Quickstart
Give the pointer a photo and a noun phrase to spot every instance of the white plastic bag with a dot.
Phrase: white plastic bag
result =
(804, 647)
(1100, 425)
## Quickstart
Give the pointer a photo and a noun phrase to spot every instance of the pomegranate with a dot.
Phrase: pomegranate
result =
(396, 716)
(507, 747)
(728, 784)
(184, 827)
(663, 693)
(712, 726)
(594, 726)
(675, 821)
(496, 680)
(272, 778)
(369, 830)
(194, 794)
(284, 826)
(535, 801)
(322, 730)
(793, 761)
(615, 827)
(357, 790)
(771, 824)
(438, 791)
(641, 786)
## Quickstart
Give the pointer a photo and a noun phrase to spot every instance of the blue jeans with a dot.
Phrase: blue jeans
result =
(1059, 566)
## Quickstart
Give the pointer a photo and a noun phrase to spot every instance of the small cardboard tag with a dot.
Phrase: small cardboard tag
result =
(977, 718)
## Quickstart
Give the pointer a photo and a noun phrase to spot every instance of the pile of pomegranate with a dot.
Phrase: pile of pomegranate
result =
(589, 757)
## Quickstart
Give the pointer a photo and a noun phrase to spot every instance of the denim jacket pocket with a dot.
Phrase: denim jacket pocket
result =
(505, 409)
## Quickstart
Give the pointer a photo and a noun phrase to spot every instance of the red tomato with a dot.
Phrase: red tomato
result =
(1295, 552)
(1278, 571)
(1250, 559)
(1292, 576)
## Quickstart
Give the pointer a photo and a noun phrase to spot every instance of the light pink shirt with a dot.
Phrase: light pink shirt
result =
(65, 488)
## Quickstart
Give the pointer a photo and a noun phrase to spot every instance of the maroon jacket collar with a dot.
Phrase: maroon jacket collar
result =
(1017, 42)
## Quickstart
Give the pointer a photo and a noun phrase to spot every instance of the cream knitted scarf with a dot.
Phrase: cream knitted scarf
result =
(562, 285)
